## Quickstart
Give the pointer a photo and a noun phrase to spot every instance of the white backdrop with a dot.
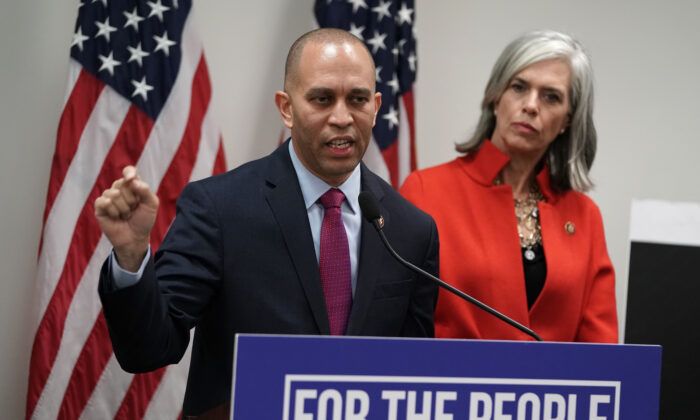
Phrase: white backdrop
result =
(645, 55)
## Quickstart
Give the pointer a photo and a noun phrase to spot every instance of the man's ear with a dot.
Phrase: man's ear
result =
(377, 105)
(284, 104)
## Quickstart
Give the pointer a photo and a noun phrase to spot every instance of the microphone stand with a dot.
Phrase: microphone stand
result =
(452, 289)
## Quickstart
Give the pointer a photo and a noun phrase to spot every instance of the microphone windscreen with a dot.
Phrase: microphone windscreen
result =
(369, 206)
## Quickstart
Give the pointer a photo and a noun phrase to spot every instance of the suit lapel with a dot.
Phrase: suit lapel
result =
(287, 204)
(370, 263)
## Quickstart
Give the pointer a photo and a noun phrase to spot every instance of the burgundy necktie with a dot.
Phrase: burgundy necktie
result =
(334, 262)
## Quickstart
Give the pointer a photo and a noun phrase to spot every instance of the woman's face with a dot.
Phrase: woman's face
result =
(533, 110)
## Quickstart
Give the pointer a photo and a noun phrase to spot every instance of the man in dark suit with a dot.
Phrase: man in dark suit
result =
(245, 253)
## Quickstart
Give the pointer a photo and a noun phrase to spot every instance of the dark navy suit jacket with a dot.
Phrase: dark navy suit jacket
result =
(239, 258)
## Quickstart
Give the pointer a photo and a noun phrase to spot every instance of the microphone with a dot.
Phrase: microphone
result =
(370, 210)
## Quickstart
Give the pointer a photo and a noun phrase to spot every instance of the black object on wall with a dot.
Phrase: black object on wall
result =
(663, 307)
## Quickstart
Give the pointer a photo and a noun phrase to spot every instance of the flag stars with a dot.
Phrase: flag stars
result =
(137, 54)
(394, 83)
(164, 43)
(400, 44)
(392, 117)
(108, 63)
(382, 10)
(412, 61)
(356, 4)
(377, 74)
(104, 2)
(398, 50)
(377, 42)
(132, 19)
(141, 88)
(157, 9)
(104, 29)
(79, 38)
(404, 15)
(357, 31)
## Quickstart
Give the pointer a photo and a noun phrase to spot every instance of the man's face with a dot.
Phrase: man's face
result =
(331, 106)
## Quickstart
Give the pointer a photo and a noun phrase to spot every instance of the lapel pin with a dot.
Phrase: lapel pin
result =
(570, 228)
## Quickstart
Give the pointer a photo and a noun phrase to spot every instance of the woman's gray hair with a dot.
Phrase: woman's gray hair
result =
(571, 154)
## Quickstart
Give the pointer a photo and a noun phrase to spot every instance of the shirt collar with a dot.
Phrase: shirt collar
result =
(313, 187)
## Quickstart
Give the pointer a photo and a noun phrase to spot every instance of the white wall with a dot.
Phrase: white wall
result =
(645, 56)
(33, 40)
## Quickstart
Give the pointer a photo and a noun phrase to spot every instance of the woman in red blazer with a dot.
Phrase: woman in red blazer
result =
(516, 230)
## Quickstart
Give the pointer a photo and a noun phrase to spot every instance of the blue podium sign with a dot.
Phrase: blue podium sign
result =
(353, 378)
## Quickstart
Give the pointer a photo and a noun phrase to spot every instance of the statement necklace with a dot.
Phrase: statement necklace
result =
(528, 217)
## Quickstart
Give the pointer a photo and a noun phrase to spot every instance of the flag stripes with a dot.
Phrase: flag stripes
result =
(92, 361)
(82, 318)
(75, 115)
(95, 142)
(139, 395)
(73, 372)
(178, 173)
(125, 150)
(161, 406)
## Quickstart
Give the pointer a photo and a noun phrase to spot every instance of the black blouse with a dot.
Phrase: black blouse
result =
(535, 272)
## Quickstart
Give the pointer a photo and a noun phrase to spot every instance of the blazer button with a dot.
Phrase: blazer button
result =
(570, 228)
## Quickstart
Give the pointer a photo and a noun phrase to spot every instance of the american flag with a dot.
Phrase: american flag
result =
(138, 93)
(386, 27)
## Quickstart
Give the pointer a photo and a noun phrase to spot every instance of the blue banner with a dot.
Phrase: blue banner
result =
(318, 378)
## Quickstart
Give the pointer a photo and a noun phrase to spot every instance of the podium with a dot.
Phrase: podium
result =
(354, 378)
